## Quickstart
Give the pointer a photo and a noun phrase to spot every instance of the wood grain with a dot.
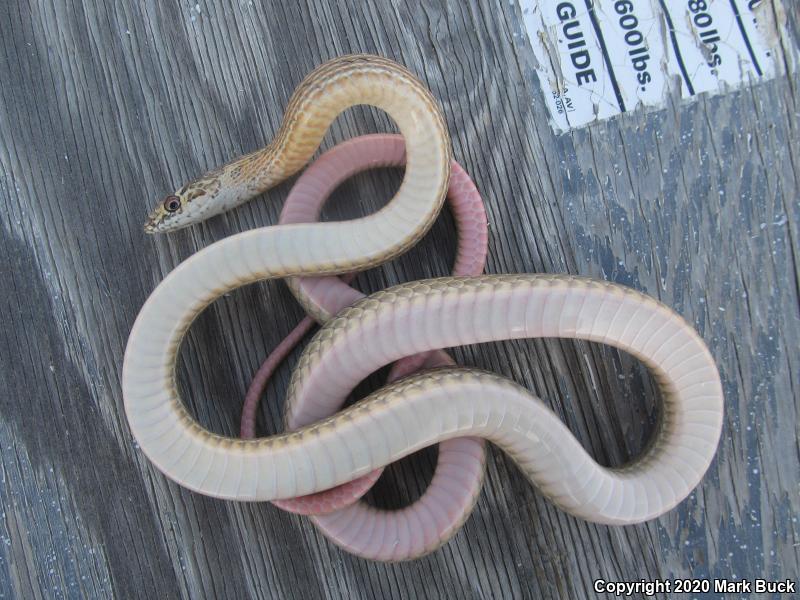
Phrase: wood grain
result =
(104, 107)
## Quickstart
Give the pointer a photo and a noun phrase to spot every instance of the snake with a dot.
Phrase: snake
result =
(451, 495)
(422, 409)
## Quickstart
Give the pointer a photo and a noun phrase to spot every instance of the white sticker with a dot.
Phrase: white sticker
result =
(600, 58)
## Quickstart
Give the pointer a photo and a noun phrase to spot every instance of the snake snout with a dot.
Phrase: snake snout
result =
(151, 225)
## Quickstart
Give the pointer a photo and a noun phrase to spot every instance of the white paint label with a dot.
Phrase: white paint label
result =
(600, 58)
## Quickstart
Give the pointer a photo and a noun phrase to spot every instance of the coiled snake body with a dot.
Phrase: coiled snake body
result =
(407, 319)
(449, 499)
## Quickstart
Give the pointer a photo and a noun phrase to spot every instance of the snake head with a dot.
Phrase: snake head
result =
(184, 207)
(165, 216)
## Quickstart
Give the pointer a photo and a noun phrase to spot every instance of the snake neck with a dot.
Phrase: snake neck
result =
(325, 93)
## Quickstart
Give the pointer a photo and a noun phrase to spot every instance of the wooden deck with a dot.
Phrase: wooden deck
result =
(106, 106)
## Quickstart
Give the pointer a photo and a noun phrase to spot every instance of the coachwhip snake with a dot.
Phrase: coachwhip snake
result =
(411, 318)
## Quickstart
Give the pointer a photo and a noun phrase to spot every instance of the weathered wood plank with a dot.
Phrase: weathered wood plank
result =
(106, 106)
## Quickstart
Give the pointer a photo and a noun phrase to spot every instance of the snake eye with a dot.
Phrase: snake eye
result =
(172, 203)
